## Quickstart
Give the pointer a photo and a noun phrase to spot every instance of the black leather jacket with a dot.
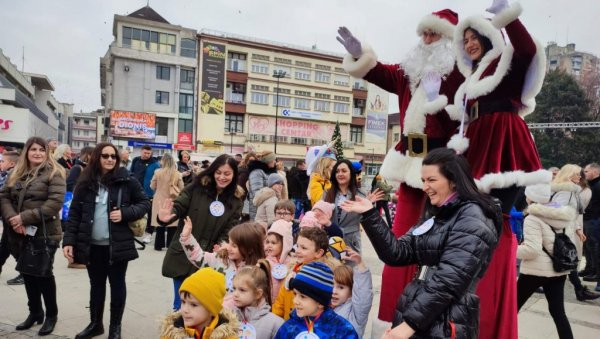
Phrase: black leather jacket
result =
(457, 250)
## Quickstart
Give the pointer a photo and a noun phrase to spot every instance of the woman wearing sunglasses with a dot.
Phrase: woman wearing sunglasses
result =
(97, 234)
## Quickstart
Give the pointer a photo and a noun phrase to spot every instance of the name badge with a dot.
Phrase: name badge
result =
(279, 271)
(424, 227)
(307, 335)
(217, 208)
(247, 331)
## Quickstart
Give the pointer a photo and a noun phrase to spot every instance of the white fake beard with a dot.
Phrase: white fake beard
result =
(436, 57)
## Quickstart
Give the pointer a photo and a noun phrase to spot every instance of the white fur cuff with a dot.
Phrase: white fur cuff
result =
(359, 68)
(432, 107)
(458, 143)
(507, 16)
(454, 112)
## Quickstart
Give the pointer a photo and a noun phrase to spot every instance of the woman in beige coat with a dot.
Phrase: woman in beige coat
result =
(167, 183)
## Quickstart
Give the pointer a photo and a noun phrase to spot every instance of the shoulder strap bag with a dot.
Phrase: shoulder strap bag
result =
(37, 254)
(138, 227)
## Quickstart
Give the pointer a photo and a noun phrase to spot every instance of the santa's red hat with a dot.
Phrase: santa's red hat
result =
(442, 22)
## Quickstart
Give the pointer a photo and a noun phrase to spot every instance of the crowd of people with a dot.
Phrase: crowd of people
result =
(254, 250)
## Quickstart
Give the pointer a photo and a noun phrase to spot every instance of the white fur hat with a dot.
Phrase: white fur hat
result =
(539, 193)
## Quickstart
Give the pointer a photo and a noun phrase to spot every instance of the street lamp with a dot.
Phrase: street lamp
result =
(278, 74)
(231, 142)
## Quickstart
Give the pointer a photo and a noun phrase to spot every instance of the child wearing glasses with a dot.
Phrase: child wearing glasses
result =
(285, 210)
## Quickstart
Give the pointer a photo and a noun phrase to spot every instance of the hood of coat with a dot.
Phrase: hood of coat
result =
(565, 186)
(263, 195)
(257, 164)
(556, 216)
(172, 327)
(252, 314)
(284, 229)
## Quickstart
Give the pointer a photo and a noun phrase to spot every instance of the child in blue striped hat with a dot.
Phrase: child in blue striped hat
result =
(312, 316)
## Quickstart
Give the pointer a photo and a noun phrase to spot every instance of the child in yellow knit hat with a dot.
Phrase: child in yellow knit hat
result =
(201, 315)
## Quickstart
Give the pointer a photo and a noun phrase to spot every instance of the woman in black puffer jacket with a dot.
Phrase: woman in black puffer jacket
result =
(97, 233)
(452, 246)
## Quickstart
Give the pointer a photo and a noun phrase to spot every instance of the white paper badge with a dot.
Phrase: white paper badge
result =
(217, 208)
(424, 228)
(247, 331)
(279, 271)
(229, 275)
(307, 335)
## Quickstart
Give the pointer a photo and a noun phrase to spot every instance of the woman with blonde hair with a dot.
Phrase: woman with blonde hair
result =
(167, 183)
(566, 190)
(319, 179)
(30, 203)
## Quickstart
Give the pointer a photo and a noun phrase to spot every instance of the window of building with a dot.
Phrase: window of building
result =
(234, 123)
(260, 88)
(301, 103)
(236, 62)
(86, 122)
(186, 105)
(322, 96)
(86, 133)
(340, 108)
(303, 64)
(187, 79)
(162, 97)
(283, 60)
(396, 137)
(186, 125)
(260, 57)
(163, 72)
(260, 98)
(149, 40)
(372, 169)
(341, 98)
(260, 68)
(302, 74)
(188, 48)
(302, 93)
(284, 101)
(322, 77)
(322, 106)
(341, 80)
(162, 126)
(235, 92)
(282, 69)
(324, 67)
(356, 134)
(298, 141)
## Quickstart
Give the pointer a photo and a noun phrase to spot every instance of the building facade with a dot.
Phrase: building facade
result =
(150, 68)
(581, 65)
(28, 108)
(242, 106)
(85, 129)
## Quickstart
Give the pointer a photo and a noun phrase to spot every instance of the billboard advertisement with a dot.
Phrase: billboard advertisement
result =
(132, 125)
(213, 78)
(294, 128)
(376, 128)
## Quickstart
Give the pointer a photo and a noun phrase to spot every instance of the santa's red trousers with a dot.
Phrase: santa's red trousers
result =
(497, 289)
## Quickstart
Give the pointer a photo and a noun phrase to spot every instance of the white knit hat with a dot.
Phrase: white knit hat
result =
(539, 193)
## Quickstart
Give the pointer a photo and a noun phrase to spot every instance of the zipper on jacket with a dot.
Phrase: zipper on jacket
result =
(110, 261)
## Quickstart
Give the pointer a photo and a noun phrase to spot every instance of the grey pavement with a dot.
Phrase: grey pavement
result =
(149, 299)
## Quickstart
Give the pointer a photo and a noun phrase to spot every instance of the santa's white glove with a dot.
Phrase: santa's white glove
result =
(431, 83)
(350, 42)
(497, 6)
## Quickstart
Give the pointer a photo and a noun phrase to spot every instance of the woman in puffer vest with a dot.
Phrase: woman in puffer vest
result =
(536, 265)
(452, 245)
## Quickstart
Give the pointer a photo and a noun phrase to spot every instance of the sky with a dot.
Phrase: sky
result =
(65, 39)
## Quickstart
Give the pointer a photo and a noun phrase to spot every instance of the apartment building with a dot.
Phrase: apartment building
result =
(85, 129)
(260, 95)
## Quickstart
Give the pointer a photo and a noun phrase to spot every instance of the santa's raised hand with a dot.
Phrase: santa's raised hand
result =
(350, 42)
(497, 6)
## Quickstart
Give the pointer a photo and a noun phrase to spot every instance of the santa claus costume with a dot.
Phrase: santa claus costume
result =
(498, 91)
(424, 123)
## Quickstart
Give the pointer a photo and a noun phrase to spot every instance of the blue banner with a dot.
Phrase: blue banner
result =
(151, 144)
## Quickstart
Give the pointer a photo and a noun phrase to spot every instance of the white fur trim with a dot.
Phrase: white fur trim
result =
(458, 143)
(507, 15)
(507, 179)
(418, 108)
(359, 68)
(565, 186)
(534, 79)
(548, 212)
(484, 27)
(402, 168)
(436, 24)
(454, 112)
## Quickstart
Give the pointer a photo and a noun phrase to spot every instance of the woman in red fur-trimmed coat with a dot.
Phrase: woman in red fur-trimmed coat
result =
(500, 86)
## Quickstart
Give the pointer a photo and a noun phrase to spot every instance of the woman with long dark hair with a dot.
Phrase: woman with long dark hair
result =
(213, 203)
(34, 190)
(344, 187)
(452, 246)
(97, 234)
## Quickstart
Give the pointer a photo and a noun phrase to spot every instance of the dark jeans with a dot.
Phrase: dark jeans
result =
(36, 287)
(554, 290)
(591, 248)
(149, 227)
(160, 241)
(99, 269)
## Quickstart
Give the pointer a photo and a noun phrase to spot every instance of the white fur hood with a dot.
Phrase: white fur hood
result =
(557, 217)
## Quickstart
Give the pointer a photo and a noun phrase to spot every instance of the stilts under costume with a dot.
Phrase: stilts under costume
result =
(425, 125)
(495, 96)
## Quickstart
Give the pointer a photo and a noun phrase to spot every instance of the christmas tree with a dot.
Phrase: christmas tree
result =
(337, 139)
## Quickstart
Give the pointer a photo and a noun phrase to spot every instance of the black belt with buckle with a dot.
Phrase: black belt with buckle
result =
(419, 144)
(481, 108)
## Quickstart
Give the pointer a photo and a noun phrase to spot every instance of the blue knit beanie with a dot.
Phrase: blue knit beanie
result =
(315, 280)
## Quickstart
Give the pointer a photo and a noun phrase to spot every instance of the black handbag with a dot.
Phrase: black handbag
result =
(37, 254)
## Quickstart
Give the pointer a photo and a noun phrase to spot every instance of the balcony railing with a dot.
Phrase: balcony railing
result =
(358, 112)
(83, 126)
(84, 138)
(236, 98)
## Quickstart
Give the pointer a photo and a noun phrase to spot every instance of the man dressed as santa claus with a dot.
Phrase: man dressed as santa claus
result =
(425, 82)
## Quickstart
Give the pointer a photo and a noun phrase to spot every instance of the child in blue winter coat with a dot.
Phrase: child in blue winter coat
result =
(312, 316)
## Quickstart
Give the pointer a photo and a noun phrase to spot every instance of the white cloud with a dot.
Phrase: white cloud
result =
(64, 39)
